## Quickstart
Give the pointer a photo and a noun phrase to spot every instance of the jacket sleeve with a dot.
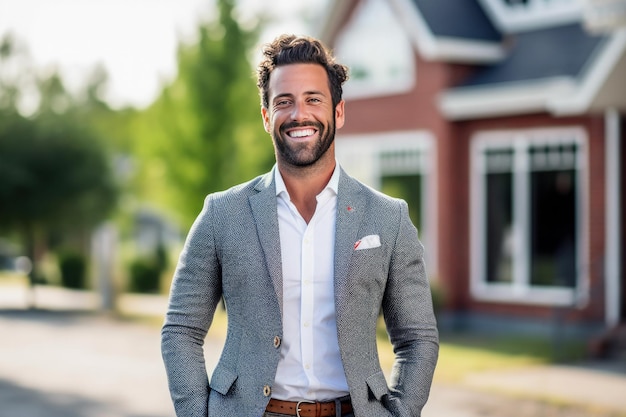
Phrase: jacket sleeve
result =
(194, 295)
(410, 321)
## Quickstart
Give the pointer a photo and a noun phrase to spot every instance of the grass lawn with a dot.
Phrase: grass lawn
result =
(462, 353)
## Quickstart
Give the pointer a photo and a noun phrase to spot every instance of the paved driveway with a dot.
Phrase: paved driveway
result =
(56, 363)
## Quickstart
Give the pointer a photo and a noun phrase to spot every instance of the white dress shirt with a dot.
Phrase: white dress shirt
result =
(310, 366)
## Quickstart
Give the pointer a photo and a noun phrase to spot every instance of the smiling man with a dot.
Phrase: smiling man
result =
(305, 257)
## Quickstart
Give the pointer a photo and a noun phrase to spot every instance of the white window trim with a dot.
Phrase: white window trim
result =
(359, 155)
(534, 15)
(520, 291)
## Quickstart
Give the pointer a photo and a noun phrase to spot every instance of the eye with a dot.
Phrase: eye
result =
(282, 103)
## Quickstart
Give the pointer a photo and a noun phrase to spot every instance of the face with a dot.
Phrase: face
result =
(300, 116)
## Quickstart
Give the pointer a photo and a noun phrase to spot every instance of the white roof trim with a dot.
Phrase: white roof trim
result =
(534, 15)
(432, 47)
(581, 99)
(455, 50)
(522, 97)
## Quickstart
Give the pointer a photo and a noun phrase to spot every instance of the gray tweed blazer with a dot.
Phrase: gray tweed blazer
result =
(233, 250)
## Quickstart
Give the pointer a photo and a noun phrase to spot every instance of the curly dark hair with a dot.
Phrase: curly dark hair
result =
(291, 49)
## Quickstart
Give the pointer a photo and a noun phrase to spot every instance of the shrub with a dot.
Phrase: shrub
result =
(145, 276)
(73, 268)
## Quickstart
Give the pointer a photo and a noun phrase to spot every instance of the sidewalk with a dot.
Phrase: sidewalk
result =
(64, 360)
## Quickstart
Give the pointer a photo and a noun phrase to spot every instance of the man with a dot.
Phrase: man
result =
(305, 258)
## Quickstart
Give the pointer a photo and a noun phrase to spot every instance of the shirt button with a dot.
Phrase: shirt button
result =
(267, 391)
(276, 341)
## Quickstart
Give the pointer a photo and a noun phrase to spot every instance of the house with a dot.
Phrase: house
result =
(502, 123)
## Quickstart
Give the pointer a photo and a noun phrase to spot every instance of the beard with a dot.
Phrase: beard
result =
(305, 153)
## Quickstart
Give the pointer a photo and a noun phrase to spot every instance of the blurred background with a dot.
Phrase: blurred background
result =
(500, 122)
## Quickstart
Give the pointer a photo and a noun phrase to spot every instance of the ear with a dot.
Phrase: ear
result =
(339, 115)
(266, 119)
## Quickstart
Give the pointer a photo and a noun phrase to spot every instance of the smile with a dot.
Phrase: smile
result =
(301, 133)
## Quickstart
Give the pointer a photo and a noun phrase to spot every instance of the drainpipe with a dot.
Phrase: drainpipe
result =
(613, 219)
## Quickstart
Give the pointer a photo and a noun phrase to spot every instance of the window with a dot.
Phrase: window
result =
(540, 3)
(527, 215)
(522, 15)
(499, 211)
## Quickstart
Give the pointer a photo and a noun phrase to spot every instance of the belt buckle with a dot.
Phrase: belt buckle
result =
(302, 402)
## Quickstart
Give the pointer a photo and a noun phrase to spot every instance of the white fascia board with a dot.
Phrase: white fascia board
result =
(435, 48)
(465, 51)
(518, 98)
(580, 100)
(331, 19)
(532, 16)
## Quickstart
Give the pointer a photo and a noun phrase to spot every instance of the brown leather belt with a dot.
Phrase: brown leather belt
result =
(308, 408)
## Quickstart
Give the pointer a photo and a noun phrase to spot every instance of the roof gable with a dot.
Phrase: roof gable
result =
(379, 65)
(554, 64)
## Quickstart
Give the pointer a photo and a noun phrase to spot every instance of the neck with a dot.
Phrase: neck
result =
(305, 183)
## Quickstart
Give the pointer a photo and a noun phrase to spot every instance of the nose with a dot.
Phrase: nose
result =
(299, 111)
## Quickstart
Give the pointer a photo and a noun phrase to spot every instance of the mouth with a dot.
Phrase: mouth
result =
(301, 133)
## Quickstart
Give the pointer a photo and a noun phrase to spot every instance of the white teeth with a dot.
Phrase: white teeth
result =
(301, 133)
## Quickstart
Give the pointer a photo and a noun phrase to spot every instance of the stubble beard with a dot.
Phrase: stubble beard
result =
(303, 154)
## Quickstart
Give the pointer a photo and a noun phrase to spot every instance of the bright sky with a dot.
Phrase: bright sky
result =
(135, 40)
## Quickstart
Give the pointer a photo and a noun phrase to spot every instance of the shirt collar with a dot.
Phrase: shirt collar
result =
(333, 183)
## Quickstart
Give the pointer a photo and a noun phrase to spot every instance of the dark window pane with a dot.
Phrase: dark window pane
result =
(409, 188)
(553, 228)
(499, 257)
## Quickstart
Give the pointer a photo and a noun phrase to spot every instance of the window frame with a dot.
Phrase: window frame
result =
(520, 290)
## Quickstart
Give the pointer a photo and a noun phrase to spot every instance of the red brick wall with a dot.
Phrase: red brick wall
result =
(415, 109)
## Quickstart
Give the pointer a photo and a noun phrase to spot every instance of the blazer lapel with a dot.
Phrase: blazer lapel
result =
(350, 212)
(263, 206)
(350, 207)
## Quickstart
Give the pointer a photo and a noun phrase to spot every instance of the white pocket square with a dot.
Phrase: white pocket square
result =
(368, 242)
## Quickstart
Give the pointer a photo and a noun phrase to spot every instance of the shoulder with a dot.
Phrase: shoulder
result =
(243, 190)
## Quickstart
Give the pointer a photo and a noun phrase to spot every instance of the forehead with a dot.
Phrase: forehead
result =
(298, 78)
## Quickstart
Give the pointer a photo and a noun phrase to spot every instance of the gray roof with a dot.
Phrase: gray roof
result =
(539, 54)
(464, 19)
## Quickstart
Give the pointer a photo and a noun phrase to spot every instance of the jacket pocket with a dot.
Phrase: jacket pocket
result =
(377, 385)
(222, 380)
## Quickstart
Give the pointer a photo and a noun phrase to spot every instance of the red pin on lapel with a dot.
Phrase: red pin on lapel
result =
(349, 208)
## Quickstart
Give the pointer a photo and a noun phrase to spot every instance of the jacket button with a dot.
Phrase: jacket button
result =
(276, 341)
(267, 391)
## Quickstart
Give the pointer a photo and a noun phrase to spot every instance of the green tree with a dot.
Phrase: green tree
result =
(204, 133)
(55, 174)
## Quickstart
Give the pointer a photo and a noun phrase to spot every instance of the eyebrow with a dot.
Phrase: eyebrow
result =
(306, 93)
